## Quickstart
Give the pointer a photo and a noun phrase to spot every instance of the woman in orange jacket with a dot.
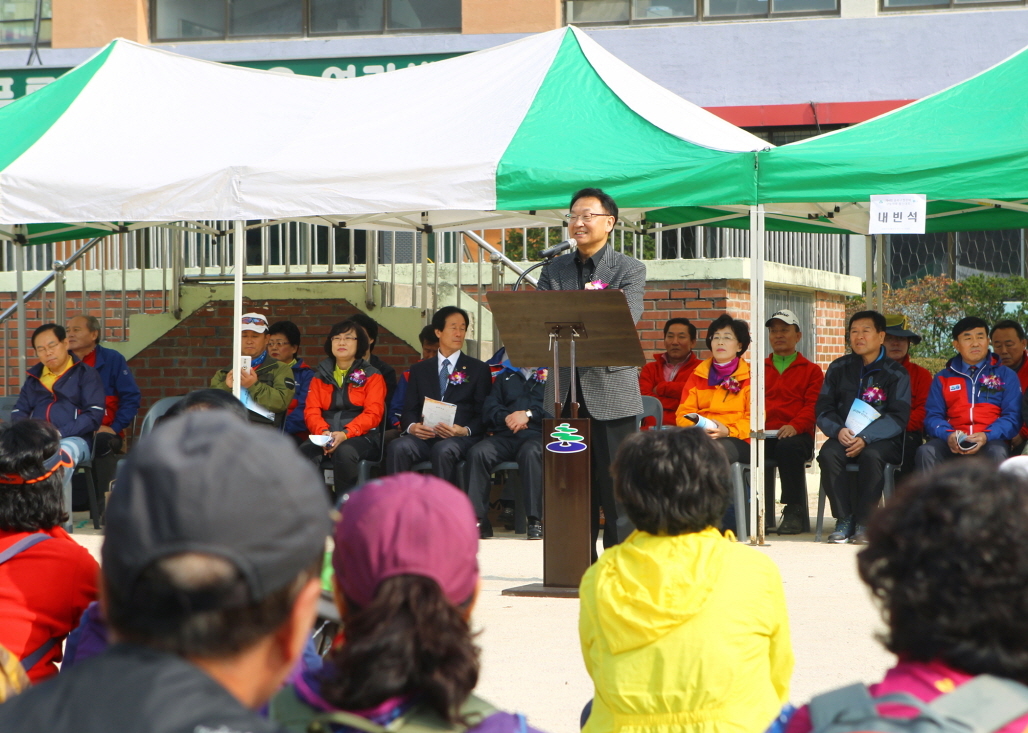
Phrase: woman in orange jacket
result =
(719, 389)
(346, 402)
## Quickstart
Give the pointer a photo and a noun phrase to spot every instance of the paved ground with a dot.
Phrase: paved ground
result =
(530, 653)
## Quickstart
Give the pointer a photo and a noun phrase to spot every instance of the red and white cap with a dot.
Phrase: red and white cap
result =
(255, 322)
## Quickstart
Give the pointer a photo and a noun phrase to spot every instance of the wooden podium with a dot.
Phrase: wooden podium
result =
(597, 329)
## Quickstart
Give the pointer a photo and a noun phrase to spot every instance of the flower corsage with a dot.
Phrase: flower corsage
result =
(731, 385)
(459, 377)
(540, 374)
(991, 383)
(358, 377)
(874, 396)
(596, 285)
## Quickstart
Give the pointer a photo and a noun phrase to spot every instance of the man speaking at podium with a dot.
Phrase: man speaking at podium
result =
(608, 396)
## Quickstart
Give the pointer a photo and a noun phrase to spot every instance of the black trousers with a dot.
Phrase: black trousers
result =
(735, 450)
(344, 459)
(912, 440)
(444, 454)
(525, 447)
(791, 455)
(935, 451)
(105, 459)
(606, 438)
(859, 497)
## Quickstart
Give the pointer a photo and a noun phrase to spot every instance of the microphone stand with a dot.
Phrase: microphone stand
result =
(544, 263)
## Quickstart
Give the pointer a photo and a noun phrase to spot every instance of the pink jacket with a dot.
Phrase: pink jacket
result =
(925, 681)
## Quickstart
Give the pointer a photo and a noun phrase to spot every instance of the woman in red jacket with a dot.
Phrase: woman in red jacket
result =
(346, 402)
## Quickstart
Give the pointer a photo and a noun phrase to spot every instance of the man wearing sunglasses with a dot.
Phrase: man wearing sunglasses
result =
(609, 396)
(268, 385)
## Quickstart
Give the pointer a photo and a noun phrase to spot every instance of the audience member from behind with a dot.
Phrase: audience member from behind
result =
(120, 389)
(346, 402)
(1011, 346)
(283, 345)
(66, 393)
(898, 340)
(948, 566)
(406, 576)
(681, 627)
(665, 376)
(974, 405)
(207, 399)
(370, 326)
(267, 386)
(719, 389)
(210, 584)
(46, 578)
(792, 383)
(854, 385)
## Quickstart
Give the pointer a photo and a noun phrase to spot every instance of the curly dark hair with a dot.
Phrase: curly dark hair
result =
(672, 481)
(410, 640)
(948, 565)
(24, 446)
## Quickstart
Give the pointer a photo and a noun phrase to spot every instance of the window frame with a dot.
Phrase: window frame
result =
(305, 28)
(42, 44)
(702, 17)
(952, 5)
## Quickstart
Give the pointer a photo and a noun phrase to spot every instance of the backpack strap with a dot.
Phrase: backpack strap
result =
(33, 659)
(23, 544)
(851, 703)
(984, 704)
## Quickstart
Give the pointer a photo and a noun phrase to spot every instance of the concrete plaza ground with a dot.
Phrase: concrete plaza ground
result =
(530, 654)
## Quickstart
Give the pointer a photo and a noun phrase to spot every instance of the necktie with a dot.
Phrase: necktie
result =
(444, 376)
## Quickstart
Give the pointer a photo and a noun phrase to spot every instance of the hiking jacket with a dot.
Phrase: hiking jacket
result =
(728, 407)
(920, 384)
(686, 633)
(273, 390)
(295, 420)
(76, 406)
(989, 402)
(848, 379)
(356, 409)
(512, 392)
(1022, 377)
(652, 384)
(789, 397)
(122, 392)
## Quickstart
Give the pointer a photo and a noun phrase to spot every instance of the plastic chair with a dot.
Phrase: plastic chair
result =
(365, 465)
(7, 403)
(520, 516)
(85, 467)
(769, 495)
(888, 487)
(740, 474)
(651, 408)
(159, 409)
(462, 472)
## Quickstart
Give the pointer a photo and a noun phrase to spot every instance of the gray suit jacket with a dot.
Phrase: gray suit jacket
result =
(609, 392)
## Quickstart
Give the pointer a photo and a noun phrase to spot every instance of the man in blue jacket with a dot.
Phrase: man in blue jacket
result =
(121, 394)
(974, 395)
(514, 412)
(66, 393)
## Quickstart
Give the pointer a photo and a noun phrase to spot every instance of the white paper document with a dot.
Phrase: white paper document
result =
(701, 422)
(861, 415)
(437, 413)
(251, 404)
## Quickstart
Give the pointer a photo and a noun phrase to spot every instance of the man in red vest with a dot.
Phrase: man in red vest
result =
(792, 383)
(1011, 346)
(898, 340)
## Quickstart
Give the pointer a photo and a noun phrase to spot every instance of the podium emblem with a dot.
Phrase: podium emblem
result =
(565, 440)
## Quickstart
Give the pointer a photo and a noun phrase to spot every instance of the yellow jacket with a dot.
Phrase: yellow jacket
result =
(684, 633)
(731, 409)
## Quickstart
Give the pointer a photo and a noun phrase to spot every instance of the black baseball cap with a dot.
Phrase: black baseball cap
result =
(209, 483)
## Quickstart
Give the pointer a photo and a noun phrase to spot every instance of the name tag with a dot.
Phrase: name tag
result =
(954, 388)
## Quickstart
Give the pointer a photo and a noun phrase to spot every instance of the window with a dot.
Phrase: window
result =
(662, 11)
(18, 22)
(931, 4)
(210, 19)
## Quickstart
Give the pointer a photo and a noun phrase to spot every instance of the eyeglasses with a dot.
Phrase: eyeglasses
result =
(585, 218)
(254, 321)
(723, 337)
(337, 339)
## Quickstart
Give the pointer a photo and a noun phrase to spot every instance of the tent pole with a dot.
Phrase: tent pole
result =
(19, 266)
(869, 271)
(237, 305)
(757, 244)
(880, 271)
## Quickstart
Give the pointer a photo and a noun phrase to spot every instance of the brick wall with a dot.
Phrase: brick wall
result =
(187, 357)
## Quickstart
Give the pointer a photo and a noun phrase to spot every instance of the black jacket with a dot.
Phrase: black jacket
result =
(388, 374)
(847, 379)
(130, 689)
(469, 397)
(512, 392)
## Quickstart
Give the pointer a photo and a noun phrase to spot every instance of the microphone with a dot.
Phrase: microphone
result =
(557, 249)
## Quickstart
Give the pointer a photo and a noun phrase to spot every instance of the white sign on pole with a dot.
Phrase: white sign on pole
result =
(898, 213)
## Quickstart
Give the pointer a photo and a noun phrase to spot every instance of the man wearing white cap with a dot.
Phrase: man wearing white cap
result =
(267, 385)
(792, 384)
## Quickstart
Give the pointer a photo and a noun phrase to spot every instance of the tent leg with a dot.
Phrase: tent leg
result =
(19, 268)
(869, 271)
(880, 270)
(239, 235)
(757, 252)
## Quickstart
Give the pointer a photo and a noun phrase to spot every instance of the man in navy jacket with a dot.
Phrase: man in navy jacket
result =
(66, 393)
(121, 394)
(452, 377)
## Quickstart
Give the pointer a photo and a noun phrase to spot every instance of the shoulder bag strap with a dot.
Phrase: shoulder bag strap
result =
(827, 708)
(985, 704)
(23, 544)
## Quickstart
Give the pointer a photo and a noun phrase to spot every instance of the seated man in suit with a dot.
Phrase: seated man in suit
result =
(452, 377)
(514, 412)
(975, 395)
(666, 375)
